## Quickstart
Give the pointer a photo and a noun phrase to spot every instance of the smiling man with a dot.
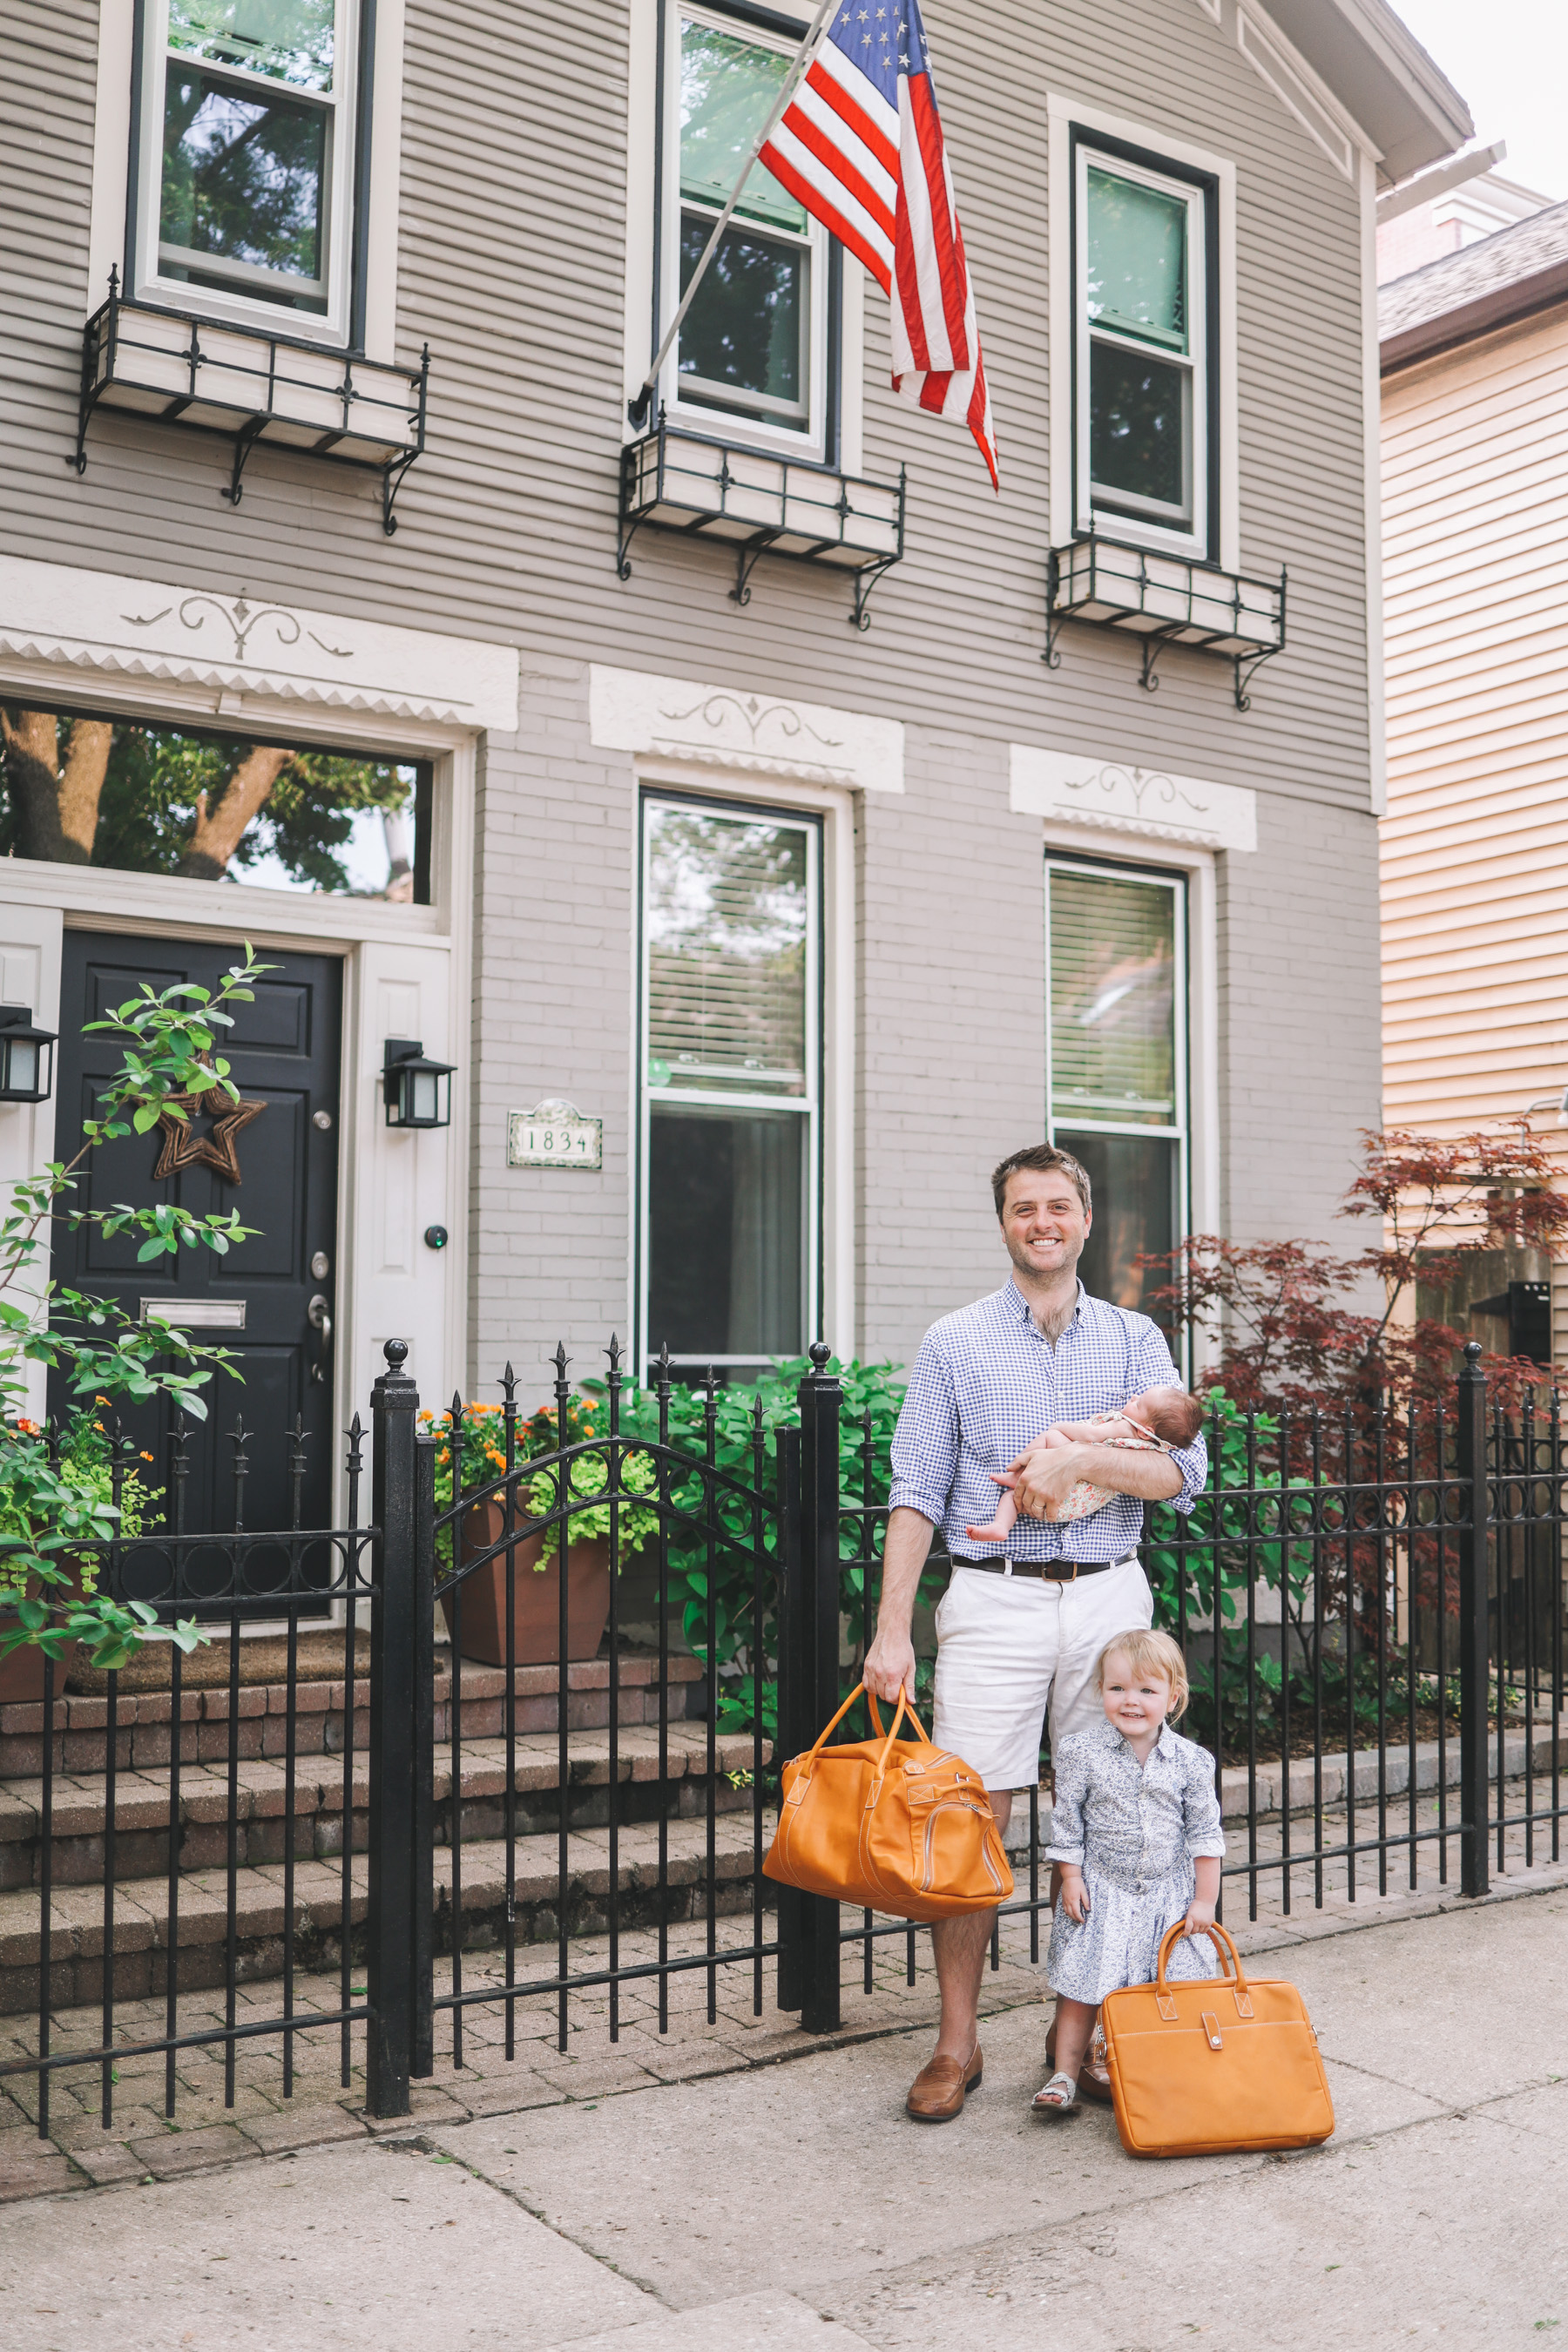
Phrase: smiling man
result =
(1018, 1630)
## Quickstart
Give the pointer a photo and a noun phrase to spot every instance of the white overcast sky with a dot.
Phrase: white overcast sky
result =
(1509, 59)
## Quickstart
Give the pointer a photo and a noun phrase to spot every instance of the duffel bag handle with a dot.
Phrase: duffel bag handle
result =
(1223, 1942)
(876, 1721)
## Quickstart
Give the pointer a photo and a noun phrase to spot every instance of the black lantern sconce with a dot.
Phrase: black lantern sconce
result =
(417, 1092)
(27, 1056)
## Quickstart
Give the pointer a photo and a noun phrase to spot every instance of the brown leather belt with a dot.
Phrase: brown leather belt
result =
(1050, 1571)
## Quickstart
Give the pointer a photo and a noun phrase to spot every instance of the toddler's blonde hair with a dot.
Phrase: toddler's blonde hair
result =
(1149, 1653)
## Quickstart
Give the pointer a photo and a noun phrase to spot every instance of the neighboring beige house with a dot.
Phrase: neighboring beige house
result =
(752, 938)
(1474, 844)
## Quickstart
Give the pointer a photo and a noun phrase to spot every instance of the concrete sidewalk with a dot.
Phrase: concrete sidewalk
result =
(794, 2209)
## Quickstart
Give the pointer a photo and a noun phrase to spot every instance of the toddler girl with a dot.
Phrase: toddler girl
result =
(1137, 1832)
(1156, 1421)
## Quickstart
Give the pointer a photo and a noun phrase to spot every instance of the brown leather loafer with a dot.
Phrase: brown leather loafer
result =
(938, 2091)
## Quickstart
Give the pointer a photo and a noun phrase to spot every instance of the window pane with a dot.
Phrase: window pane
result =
(1137, 259)
(744, 327)
(726, 912)
(1137, 426)
(211, 808)
(726, 1239)
(727, 88)
(244, 177)
(291, 40)
(1113, 999)
(1133, 1180)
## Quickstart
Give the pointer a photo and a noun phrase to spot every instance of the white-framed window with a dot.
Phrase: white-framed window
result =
(1143, 307)
(245, 160)
(730, 1084)
(1117, 1087)
(751, 360)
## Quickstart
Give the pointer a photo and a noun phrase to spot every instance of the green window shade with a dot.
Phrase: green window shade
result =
(726, 910)
(1113, 1000)
(291, 40)
(1137, 260)
(728, 89)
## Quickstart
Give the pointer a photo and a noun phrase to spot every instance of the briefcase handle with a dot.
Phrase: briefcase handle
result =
(1221, 1939)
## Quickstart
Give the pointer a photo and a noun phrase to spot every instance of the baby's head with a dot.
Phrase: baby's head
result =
(1172, 1415)
(1143, 1673)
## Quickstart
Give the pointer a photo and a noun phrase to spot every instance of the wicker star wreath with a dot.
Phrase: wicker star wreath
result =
(183, 1148)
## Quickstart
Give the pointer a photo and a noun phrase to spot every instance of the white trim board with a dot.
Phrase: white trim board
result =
(744, 732)
(61, 615)
(1120, 799)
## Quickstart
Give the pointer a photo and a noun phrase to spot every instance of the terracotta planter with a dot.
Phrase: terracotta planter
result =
(536, 1610)
(22, 1673)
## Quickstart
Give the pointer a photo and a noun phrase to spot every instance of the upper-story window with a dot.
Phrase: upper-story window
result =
(244, 185)
(1144, 311)
(751, 358)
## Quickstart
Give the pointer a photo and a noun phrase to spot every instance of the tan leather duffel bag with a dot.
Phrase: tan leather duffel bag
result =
(1207, 2068)
(893, 1825)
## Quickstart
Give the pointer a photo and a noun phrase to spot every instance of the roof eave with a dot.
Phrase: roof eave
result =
(1382, 78)
(1501, 306)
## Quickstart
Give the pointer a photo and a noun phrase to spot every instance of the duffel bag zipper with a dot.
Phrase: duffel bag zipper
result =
(953, 1807)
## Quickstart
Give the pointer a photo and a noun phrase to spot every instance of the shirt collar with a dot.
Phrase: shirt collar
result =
(1166, 1745)
(1014, 1298)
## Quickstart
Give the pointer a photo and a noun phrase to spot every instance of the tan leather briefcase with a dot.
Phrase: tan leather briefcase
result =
(893, 1825)
(1205, 2069)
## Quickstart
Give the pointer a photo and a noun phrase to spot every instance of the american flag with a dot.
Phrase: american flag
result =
(860, 146)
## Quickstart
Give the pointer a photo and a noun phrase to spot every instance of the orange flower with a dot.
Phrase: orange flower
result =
(145, 1455)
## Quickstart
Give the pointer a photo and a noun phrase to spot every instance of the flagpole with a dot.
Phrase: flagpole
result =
(636, 408)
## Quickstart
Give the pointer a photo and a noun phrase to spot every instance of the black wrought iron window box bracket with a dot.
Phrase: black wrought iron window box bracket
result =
(759, 504)
(1164, 600)
(250, 385)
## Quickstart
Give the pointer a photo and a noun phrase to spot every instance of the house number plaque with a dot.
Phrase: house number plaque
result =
(554, 1135)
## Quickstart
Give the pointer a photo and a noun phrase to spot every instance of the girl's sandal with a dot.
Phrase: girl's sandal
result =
(1059, 2097)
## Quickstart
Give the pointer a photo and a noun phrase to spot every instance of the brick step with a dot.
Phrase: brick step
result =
(140, 1910)
(145, 1720)
(142, 1803)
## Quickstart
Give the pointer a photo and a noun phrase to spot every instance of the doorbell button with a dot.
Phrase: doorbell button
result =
(436, 1237)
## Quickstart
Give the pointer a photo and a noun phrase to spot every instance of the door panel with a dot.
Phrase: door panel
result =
(284, 1052)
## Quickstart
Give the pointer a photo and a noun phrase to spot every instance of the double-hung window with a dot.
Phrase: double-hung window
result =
(1117, 1061)
(732, 1052)
(750, 361)
(1144, 352)
(244, 159)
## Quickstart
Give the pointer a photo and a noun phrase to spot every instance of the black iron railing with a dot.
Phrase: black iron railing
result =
(1371, 1607)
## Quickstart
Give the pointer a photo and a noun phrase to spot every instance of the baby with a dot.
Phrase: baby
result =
(1152, 1423)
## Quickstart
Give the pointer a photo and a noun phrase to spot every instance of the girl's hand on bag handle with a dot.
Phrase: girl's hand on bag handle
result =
(1075, 1894)
(1200, 1916)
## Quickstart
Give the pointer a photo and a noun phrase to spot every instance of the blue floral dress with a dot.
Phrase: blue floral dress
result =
(1135, 1832)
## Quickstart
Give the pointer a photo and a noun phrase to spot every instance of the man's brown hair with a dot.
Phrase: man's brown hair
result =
(1043, 1156)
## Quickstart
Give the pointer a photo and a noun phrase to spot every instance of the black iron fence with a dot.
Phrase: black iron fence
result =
(549, 1771)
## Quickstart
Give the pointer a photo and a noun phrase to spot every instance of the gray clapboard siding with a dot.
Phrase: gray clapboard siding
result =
(513, 265)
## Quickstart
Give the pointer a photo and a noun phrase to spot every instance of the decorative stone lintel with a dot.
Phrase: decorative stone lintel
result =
(758, 734)
(1115, 796)
(59, 615)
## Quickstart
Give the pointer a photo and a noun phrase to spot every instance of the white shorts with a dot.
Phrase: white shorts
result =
(1007, 1645)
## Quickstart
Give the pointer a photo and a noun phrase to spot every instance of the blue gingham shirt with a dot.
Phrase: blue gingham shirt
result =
(987, 1382)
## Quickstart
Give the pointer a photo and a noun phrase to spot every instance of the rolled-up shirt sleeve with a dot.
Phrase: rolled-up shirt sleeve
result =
(927, 1439)
(1200, 1809)
(1071, 1764)
(1156, 1371)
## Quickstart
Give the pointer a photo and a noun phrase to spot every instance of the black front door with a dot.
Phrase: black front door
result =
(272, 1299)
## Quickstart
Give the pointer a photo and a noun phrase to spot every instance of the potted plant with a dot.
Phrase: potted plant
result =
(535, 1569)
(57, 1502)
(72, 1494)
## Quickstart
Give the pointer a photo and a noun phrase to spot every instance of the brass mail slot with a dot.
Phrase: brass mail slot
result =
(197, 1313)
